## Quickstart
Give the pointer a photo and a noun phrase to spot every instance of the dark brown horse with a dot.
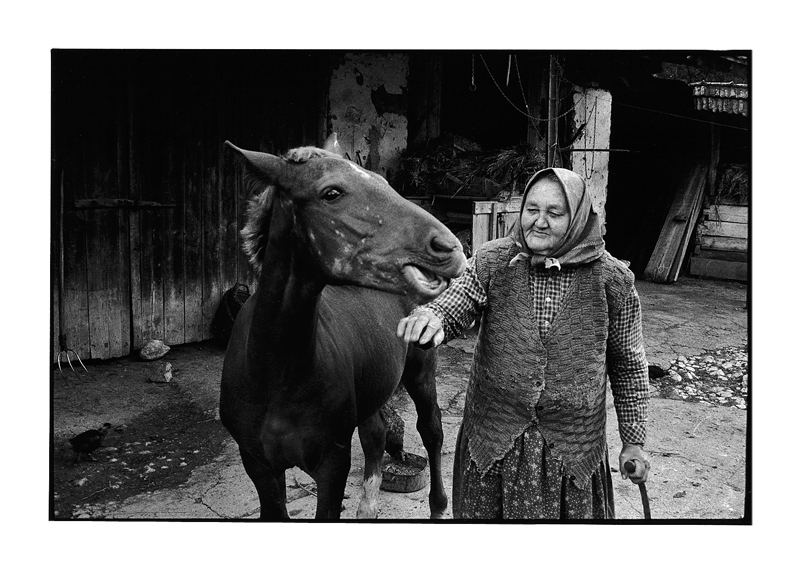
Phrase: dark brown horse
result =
(313, 354)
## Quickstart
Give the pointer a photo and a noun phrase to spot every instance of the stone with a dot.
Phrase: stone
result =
(681, 359)
(680, 494)
(675, 377)
(153, 350)
(160, 372)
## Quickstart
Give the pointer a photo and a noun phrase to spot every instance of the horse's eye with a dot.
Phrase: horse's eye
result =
(332, 194)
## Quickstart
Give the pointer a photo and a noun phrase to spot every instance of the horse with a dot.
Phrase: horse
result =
(341, 257)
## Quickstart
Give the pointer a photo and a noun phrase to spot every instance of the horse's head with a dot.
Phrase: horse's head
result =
(349, 223)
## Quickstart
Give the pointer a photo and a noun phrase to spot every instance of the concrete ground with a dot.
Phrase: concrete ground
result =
(697, 450)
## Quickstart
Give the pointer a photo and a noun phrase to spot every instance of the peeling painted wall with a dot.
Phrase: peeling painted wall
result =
(368, 108)
(593, 107)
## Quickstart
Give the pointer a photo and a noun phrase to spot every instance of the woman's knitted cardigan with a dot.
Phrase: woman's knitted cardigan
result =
(557, 383)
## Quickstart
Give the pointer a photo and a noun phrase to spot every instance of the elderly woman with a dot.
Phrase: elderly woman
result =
(558, 313)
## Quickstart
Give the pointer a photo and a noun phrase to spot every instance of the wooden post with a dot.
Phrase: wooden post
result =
(552, 112)
(713, 160)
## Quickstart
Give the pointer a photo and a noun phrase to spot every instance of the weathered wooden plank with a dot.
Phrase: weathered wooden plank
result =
(228, 241)
(722, 255)
(480, 230)
(510, 206)
(151, 287)
(135, 151)
(723, 243)
(76, 296)
(173, 251)
(107, 296)
(730, 213)
(724, 229)
(677, 263)
(118, 203)
(193, 245)
(717, 269)
(211, 242)
(54, 294)
(121, 314)
(673, 232)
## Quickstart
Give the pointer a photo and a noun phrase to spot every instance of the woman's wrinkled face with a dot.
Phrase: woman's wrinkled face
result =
(545, 216)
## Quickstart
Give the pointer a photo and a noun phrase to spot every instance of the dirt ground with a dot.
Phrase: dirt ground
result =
(159, 433)
(168, 456)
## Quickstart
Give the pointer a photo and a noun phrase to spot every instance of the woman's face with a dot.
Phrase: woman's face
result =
(545, 216)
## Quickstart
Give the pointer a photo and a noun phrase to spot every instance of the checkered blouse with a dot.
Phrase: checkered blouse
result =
(465, 299)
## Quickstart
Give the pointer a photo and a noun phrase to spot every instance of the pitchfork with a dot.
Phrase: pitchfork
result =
(63, 350)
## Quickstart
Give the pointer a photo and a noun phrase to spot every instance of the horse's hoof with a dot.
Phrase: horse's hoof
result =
(367, 512)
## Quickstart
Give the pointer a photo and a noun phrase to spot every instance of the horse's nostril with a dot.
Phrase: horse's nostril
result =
(441, 245)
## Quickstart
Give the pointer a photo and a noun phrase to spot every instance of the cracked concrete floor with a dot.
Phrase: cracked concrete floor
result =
(697, 451)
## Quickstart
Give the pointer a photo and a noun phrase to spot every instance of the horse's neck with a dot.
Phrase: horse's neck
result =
(284, 316)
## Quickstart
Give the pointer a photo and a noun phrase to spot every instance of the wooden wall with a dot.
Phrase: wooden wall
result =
(152, 205)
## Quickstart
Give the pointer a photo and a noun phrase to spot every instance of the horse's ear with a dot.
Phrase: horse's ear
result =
(263, 169)
(332, 145)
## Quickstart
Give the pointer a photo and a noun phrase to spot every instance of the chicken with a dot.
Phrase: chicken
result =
(88, 441)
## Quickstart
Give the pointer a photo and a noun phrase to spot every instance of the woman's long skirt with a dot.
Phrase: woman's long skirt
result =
(529, 483)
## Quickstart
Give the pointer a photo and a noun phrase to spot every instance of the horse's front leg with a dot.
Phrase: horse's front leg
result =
(420, 382)
(331, 479)
(270, 485)
(372, 434)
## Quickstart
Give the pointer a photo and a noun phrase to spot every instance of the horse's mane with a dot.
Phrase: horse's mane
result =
(259, 209)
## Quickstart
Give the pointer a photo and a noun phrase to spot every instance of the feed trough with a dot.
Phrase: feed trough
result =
(408, 475)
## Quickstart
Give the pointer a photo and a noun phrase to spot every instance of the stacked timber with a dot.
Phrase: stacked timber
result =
(667, 258)
(721, 243)
(493, 219)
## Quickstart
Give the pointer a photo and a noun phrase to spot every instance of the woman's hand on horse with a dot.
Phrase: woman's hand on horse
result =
(421, 327)
(635, 454)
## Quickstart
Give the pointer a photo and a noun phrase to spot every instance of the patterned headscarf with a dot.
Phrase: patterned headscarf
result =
(583, 241)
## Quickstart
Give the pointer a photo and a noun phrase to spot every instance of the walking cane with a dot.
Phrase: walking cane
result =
(630, 467)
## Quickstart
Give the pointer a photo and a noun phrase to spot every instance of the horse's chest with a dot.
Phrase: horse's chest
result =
(298, 439)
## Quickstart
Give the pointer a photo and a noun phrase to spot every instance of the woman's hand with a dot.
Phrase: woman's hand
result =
(635, 454)
(421, 327)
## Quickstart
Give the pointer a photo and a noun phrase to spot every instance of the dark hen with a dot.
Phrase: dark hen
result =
(88, 441)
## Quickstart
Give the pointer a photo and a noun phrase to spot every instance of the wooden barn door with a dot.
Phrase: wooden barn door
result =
(153, 205)
(88, 170)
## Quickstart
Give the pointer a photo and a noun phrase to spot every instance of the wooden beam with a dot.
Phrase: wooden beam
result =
(512, 205)
(723, 243)
(677, 262)
(719, 254)
(723, 229)
(716, 269)
(117, 203)
(681, 217)
(729, 213)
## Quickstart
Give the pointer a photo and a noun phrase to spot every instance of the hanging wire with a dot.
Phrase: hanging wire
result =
(513, 105)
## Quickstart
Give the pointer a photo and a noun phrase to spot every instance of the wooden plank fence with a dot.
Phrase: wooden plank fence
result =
(153, 205)
(721, 244)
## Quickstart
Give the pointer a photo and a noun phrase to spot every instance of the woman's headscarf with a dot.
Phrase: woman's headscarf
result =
(583, 241)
